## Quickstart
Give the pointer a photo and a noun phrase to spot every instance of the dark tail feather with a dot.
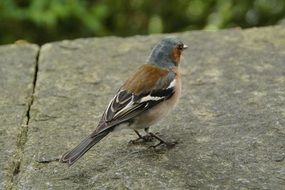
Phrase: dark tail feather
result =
(72, 156)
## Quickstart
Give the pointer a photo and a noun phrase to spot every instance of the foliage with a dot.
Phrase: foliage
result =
(40, 21)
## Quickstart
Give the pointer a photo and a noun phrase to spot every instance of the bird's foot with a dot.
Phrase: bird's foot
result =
(142, 139)
(168, 144)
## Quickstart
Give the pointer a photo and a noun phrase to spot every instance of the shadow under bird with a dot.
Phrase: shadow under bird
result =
(144, 99)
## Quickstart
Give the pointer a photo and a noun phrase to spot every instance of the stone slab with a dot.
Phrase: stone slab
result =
(229, 122)
(17, 67)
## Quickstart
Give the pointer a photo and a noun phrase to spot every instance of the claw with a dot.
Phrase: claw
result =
(162, 141)
(146, 138)
(167, 144)
(150, 137)
(154, 146)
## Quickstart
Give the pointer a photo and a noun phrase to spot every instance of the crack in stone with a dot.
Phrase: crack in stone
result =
(22, 136)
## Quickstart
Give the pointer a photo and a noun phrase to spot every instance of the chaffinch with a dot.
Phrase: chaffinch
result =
(147, 95)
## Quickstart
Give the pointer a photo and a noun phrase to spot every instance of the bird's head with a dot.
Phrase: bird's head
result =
(167, 52)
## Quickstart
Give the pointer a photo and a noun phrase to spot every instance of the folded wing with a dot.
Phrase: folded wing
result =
(129, 103)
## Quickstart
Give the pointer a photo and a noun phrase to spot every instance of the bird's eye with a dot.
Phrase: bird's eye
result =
(180, 47)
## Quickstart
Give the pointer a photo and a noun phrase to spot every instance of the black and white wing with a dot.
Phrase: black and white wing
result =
(127, 105)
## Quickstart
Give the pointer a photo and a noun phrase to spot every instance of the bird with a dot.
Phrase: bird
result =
(144, 98)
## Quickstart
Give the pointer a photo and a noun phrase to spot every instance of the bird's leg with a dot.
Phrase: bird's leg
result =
(145, 138)
(137, 139)
(161, 141)
(140, 136)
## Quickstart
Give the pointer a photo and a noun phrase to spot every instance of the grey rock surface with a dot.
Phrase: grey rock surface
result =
(17, 68)
(229, 122)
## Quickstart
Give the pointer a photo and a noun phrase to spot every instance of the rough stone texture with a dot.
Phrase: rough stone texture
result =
(229, 122)
(17, 64)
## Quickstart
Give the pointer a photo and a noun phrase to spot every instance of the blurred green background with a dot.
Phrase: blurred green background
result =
(40, 21)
